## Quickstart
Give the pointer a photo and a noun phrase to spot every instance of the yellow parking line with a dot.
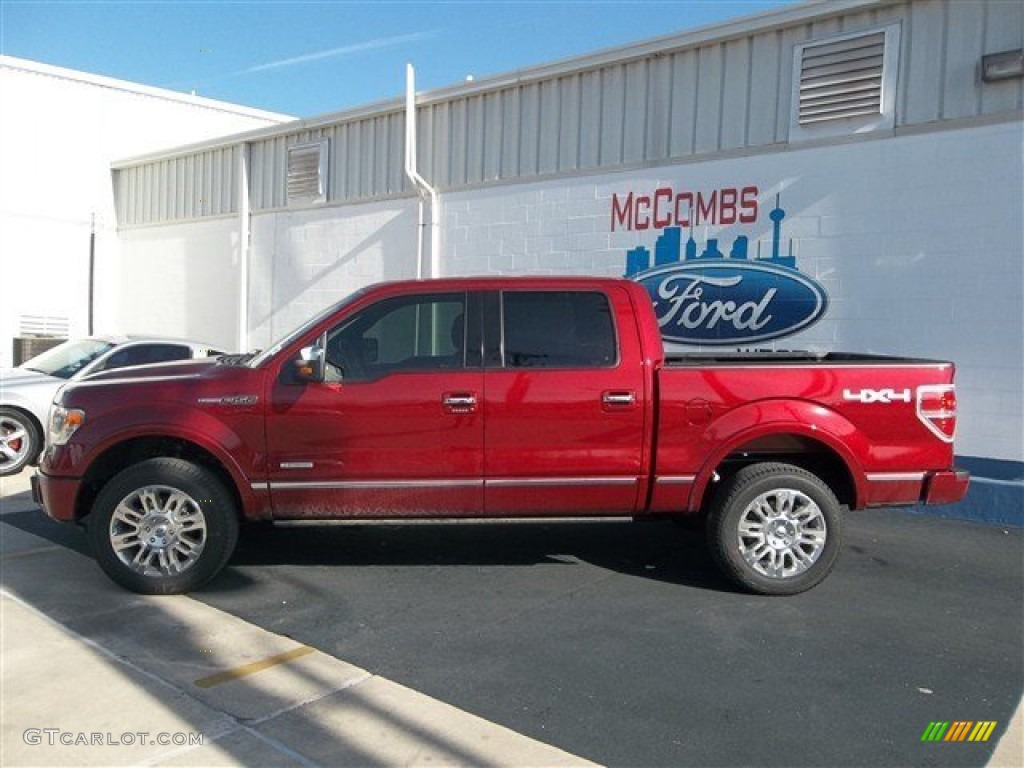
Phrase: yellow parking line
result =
(251, 669)
(28, 552)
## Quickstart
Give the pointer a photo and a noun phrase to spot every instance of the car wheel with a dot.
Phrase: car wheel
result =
(775, 529)
(163, 526)
(20, 441)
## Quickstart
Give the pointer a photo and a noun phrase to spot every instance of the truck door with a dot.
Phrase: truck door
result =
(564, 401)
(397, 428)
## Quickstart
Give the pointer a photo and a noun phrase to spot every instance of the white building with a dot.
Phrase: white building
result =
(59, 132)
(872, 148)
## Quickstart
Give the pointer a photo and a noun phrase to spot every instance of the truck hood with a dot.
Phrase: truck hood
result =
(186, 382)
(182, 369)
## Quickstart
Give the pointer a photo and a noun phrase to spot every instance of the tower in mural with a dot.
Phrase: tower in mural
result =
(777, 215)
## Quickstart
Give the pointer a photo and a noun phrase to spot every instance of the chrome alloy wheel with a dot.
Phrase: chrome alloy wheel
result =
(14, 443)
(158, 530)
(782, 533)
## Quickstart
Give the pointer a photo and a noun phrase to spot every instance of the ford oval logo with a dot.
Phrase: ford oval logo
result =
(731, 302)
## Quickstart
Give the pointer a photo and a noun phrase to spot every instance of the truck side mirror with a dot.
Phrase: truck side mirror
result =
(309, 366)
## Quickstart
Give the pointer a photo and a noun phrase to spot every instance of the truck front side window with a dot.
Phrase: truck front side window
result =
(405, 334)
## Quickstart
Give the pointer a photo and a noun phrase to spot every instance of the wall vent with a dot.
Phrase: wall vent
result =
(307, 172)
(43, 325)
(845, 84)
(842, 79)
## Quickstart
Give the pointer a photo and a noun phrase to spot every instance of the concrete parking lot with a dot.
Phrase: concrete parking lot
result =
(615, 642)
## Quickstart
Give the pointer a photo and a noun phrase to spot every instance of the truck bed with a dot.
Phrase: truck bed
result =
(790, 356)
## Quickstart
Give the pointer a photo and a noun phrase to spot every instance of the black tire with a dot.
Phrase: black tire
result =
(21, 441)
(775, 529)
(188, 516)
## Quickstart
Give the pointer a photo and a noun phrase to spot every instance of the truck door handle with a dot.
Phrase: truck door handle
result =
(459, 402)
(619, 398)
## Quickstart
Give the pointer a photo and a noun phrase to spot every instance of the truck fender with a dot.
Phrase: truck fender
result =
(200, 428)
(763, 418)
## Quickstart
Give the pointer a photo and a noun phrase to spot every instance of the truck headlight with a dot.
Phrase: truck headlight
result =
(64, 422)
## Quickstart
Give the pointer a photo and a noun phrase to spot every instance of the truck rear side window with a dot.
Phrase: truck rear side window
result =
(558, 329)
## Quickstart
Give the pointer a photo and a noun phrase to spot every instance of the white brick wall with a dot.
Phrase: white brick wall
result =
(918, 241)
(302, 261)
(180, 280)
(59, 132)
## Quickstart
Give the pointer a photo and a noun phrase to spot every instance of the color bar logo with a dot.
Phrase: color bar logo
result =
(959, 730)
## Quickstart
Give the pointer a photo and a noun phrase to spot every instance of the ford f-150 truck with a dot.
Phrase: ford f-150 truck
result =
(496, 397)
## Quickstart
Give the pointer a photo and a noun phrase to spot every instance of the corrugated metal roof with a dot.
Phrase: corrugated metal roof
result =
(722, 89)
(806, 12)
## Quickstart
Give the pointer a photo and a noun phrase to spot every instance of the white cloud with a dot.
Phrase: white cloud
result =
(345, 50)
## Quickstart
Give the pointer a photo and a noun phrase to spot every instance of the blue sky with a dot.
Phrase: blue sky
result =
(308, 58)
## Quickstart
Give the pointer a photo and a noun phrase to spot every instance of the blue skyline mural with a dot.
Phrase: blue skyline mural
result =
(668, 249)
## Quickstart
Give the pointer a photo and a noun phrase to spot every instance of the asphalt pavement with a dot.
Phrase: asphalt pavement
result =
(512, 643)
(94, 675)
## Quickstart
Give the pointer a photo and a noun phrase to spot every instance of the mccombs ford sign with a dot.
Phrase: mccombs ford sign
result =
(708, 297)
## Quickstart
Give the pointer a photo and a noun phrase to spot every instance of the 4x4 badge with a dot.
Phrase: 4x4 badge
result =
(883, 396)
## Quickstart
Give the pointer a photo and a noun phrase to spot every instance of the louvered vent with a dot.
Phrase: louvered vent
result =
(307, 172)
(43, 325)
(842, 79)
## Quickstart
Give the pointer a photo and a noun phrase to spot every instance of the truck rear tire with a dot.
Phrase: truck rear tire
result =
(775, 529)
(163, 526)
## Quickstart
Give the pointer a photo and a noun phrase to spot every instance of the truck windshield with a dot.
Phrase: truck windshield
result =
(67, 359)
(276, 347)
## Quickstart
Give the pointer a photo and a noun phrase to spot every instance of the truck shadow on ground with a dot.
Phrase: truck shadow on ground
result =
(657, 550)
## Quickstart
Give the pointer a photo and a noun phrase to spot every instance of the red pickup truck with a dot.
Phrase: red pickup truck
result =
(496, 397)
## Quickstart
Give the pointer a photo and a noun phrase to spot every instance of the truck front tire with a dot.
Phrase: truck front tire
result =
(163, 526)
(775, 529)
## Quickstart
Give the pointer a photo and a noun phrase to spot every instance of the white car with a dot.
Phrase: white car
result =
(27, 391)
